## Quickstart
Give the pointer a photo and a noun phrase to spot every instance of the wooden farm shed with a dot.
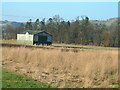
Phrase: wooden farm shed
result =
(34, 37)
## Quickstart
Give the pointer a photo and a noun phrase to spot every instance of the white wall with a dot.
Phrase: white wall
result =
(26, 36)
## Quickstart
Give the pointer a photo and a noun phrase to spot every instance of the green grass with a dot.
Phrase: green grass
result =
(15, 80)
(16, 42)
(8, 41)
(24, 42)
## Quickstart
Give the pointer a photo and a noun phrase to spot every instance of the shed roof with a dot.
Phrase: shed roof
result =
(30, 32)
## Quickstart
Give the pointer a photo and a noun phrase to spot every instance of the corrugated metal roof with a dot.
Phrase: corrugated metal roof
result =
(30, 32)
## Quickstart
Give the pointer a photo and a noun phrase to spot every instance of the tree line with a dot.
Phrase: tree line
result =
(71, 32)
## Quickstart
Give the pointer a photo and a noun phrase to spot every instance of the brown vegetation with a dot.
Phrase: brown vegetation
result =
(62, 68)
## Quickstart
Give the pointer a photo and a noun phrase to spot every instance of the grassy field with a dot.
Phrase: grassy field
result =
(15, 80)
(88, 68)
(55, 45)
(8, 41)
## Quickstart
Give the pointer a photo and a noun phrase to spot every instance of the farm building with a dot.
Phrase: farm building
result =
(34, 37)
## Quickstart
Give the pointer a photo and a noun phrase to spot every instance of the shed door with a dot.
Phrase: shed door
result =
(42, 39)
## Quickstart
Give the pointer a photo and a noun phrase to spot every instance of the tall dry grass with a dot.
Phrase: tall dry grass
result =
(86, 68)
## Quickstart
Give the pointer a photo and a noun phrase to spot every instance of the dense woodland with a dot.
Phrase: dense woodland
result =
(70, 32)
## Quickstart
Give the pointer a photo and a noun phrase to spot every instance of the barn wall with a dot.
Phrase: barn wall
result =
(35, 37)
(28, 38)
(49, 37)
(43, 34)
(25, 38)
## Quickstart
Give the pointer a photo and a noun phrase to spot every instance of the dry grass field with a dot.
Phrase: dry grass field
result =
(65, 67)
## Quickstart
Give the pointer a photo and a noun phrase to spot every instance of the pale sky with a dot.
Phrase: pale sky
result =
(23, 11)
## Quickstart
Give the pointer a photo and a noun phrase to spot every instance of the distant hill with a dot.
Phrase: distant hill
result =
(3, 24)
(111, 21)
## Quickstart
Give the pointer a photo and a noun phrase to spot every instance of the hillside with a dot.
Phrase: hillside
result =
(3, 24)
(17, 24)
(106, 22)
